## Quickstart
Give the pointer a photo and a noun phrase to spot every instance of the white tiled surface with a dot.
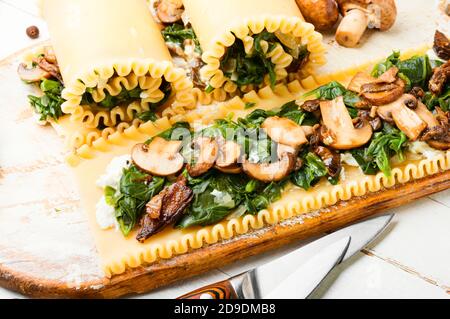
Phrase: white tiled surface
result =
(411, 260)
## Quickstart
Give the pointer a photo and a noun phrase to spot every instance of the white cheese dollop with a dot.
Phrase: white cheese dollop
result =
(114, 172)
(105, 215)
(422, 148)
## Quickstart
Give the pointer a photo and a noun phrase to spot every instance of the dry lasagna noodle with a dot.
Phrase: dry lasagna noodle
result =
(219, 23)
(104, 47)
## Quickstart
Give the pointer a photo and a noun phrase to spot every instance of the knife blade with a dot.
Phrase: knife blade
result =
(309, 276)
(260, 282)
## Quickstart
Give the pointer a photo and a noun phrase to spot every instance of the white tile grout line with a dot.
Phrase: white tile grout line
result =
(409, 270)
(438, 202)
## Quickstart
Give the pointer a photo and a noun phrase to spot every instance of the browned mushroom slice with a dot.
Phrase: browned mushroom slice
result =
(338, 122)
(35, 74)
(360, 79)
(425, 114)
(208, 151)
(232, 169)
(284, 131)
(443, 144)
(440, 78)
(53, 69)
(159, 158)
(169, 11)
(170, 206)
(270, 172)
(408, 122)
(331, 159)
(49, 55)
(229, 154)
(442, 45)
(386, 93)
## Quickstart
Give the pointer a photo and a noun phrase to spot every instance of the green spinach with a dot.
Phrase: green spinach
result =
(386, 144)
(415, 71)
(177, 33)
(245, 69)
(310, 174)
(48, 106)
(136, 189)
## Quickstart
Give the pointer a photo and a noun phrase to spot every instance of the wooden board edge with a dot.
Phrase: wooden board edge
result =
(166, 272)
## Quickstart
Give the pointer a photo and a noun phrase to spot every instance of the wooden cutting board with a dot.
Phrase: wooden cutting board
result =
(46, 248)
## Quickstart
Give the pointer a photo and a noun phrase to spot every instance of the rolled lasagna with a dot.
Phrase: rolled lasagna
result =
(114, 64)
(248, 44)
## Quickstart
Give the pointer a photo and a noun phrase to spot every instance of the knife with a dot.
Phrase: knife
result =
(299, 273)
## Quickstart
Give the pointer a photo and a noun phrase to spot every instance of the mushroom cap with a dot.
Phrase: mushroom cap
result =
(30, 75)
(381, 13)
(208, 152)
(338, 121)
(159, 158)
(284, 131)
(229, 154)
(271, 172)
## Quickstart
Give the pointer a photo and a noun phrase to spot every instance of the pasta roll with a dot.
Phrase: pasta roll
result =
(249, 44)
(114, 63)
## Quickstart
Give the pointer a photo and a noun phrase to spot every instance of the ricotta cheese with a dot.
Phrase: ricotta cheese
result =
(114, 172)
(422, 148)
(105, 215)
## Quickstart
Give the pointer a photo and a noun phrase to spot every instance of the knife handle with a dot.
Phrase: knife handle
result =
(220, 291)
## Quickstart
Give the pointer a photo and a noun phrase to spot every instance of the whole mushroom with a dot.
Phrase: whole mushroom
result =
(323, 14)
(362, 14)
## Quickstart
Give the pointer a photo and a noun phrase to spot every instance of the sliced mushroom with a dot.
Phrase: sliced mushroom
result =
(406, 119)
(393, 92)
(323, 14)
(232, 169)
(35, 74)
(170, 205)
(338, 122)
(440, 77)
(360, 79)
(49, 55)
(425, 114)
(362, 14)
(281, 149)
(284, 131)
(53, 69)
(208, 152)
(441, 45)
(229, 154)
(332, 160)
(311, 106)
(442, 144)
(159, 158)
(169, 11)
(270, 172)
(408, 122)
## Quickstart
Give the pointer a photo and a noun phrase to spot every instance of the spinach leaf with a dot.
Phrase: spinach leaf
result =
(384, 145)
(133, 194)
(334, 90)
(178, 131)
(443, 101)
(415, 71)
(385, 65)
(292, 111)
(245, 69)
(217, 195)
(177, 33)
(310, 174)
(49, 105)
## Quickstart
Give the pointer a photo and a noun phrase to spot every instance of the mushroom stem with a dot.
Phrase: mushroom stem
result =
(352, 28)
